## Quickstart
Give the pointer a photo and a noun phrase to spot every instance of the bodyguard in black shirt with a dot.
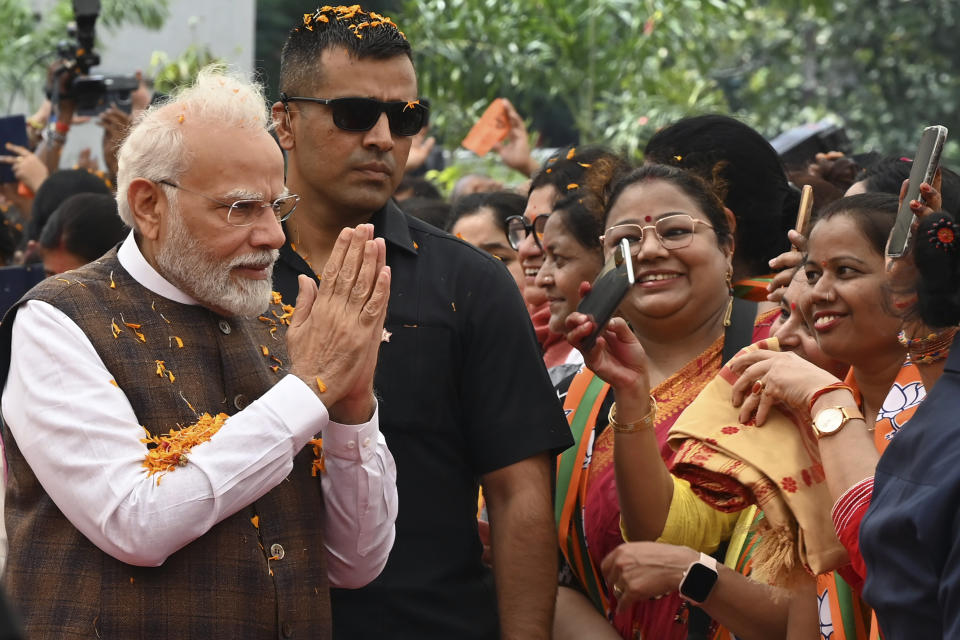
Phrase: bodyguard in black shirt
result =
(465, 398)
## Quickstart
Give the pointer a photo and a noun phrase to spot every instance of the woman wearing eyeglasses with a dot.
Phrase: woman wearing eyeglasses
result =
(681, 243)
(563, 172)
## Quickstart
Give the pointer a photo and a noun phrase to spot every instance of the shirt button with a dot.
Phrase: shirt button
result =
(366, 442)
(287, 630)
(240, 402)
(276, 551)
(351, 445)
(225, 327)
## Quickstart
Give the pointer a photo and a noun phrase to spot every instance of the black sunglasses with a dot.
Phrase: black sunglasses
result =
(361, 114)
(518, 228)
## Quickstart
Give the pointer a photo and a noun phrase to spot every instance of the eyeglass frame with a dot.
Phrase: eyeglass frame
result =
(230, 207)
(382, 105)
(528, 228)
(656, 233)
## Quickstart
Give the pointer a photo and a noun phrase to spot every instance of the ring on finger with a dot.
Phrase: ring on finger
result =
(617, 591)
(758, 387)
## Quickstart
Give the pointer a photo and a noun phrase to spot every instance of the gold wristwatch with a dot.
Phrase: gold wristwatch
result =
(831, 420)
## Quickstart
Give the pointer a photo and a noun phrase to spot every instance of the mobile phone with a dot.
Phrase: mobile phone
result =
(925, 164)
(12, 129)
(609, 289)
(806, 207)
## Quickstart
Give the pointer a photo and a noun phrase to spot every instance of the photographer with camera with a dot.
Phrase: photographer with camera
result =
(75, 94)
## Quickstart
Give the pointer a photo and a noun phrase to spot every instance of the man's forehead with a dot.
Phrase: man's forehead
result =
(218, 150)
(345, 74)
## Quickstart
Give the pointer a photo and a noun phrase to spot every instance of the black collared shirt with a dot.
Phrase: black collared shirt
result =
(463, 391)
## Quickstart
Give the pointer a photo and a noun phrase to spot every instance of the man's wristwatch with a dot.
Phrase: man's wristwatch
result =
(831, 420)
(699, 579)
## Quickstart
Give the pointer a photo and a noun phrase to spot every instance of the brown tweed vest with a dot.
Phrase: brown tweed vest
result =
(220, 585)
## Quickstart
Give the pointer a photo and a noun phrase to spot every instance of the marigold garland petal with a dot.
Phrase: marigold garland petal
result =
(319, 465)
(342, 13)
(171, 449)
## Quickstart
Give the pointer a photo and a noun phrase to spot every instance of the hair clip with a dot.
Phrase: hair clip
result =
(943, 235)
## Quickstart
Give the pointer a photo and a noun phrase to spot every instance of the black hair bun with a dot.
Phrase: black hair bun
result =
(937, 256)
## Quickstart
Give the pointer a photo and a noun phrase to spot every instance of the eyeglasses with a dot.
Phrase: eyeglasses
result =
(242, 213)
(361, 114)
(518, 228)
(673, 232)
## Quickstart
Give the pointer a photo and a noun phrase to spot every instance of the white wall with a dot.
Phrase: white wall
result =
(225, 26)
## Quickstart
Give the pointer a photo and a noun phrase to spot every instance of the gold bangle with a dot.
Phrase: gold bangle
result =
(644, 423)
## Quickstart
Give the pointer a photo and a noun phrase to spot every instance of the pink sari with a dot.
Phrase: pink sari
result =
(654, 619)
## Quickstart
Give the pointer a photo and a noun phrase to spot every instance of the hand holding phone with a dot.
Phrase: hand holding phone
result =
(608, 290)
(925, 164)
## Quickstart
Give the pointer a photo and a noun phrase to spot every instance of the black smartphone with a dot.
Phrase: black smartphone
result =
(12, 129)
(611, 285)
(925, 164)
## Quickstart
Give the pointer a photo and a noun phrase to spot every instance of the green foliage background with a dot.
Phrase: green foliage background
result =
(617, 70)
(613, 71)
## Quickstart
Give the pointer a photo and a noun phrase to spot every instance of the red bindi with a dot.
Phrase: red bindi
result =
(647, 219)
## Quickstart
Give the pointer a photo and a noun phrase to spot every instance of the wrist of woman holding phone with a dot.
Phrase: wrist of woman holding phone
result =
(644, 485)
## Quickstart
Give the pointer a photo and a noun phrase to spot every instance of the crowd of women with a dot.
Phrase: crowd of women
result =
(764, 446)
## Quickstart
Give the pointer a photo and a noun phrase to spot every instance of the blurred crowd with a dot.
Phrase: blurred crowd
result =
(758, 444)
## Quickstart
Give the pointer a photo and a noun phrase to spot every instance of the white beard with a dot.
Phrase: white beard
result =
(187, 263)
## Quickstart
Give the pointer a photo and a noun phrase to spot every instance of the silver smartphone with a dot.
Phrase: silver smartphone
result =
(608, 290)
(925, 164)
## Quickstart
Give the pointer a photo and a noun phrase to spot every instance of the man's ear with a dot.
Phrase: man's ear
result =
(144, 198)
(282, 126)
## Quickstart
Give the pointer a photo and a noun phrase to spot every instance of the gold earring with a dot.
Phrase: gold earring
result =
(729, 312)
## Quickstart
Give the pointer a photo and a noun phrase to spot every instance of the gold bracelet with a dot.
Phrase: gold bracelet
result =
(646, 422)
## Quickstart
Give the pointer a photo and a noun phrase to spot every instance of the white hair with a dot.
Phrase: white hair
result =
(154, 148)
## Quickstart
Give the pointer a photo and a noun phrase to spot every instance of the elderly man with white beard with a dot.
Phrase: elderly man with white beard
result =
(188, 456)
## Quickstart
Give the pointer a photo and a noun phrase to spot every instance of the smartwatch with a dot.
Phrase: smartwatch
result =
(699, 579)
